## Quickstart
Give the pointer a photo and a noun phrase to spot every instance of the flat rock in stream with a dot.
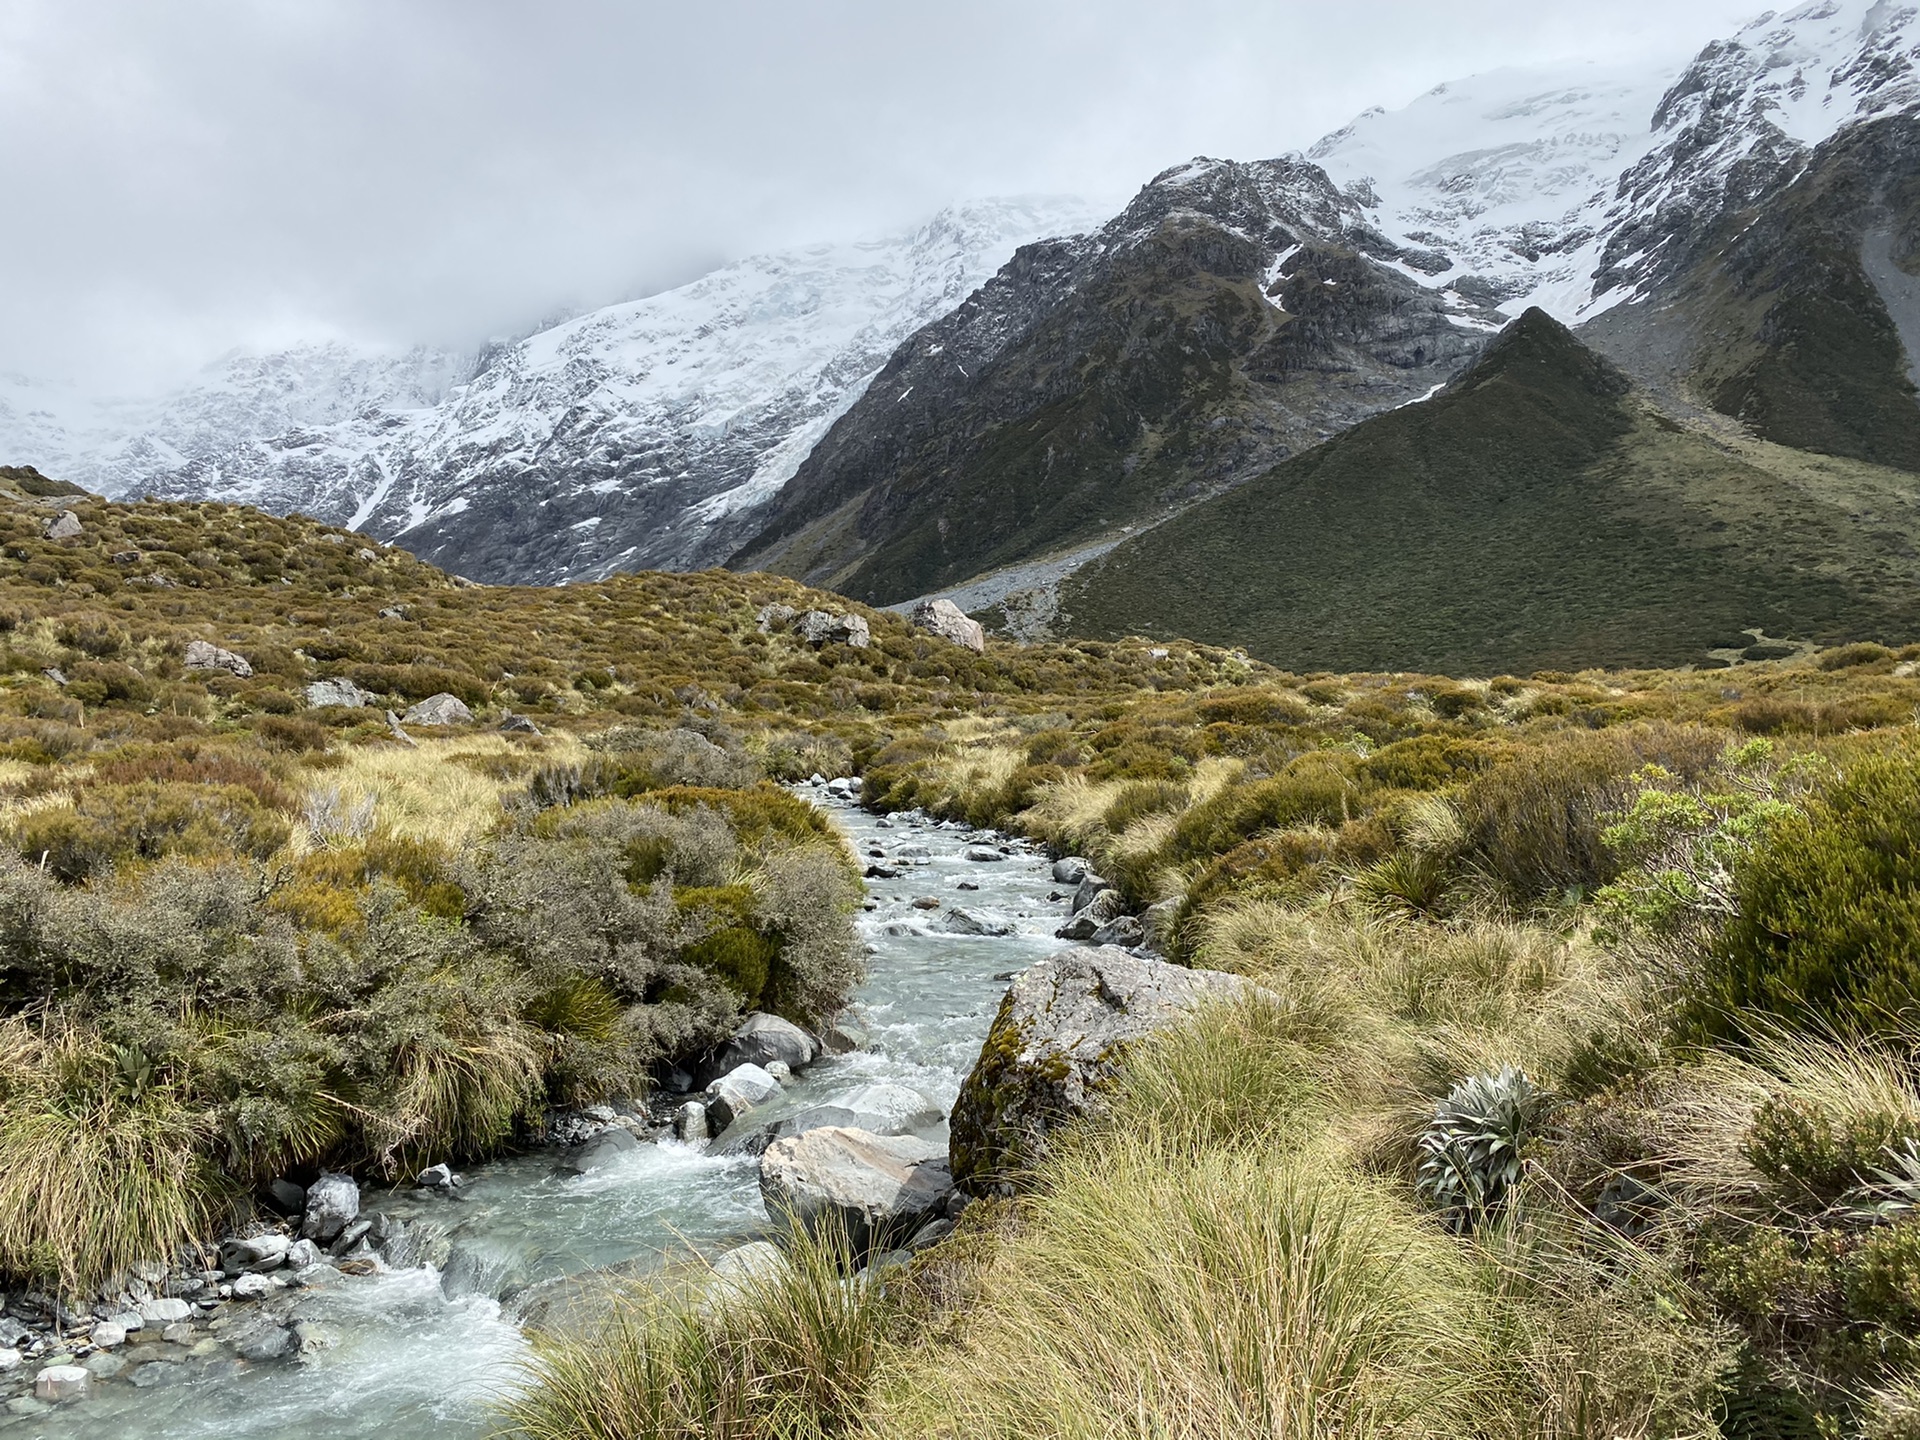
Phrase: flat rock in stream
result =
(602, 1150)
(880, 1188)
(1060, 1034)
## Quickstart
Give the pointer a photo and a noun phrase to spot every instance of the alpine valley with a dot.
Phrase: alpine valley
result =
(1719, 262)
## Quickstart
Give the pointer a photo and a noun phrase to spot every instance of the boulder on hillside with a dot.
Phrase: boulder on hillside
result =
(1060, 1033)
(825, 627)
(512, 724)
(203, 656)
(337, 691)
(441, 709)
(947, 620)
(63, 526)
(881, 1188)
(775, 617)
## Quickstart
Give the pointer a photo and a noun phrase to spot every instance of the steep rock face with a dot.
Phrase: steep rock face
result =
(1231, 315)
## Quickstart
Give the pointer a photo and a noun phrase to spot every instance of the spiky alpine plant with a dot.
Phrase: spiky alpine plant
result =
(1470, 1152)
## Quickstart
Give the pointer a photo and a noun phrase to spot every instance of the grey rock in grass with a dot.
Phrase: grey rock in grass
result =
(878, 1187)
(333, 1202)
(775, 617)
(1061, 1032)
(255, 1253)
(204, 656)
(337, 691)
(947, 620)
(63, 526)
(826, 627)
(441, 709)
(513, 724)
(1088, 890)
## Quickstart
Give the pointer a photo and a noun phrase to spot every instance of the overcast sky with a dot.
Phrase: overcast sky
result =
(182, 178)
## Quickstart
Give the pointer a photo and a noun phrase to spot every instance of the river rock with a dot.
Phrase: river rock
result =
(602, 1150)
(690, 1122)
(159, 1373)
(881, 1108)
(302, 1254)
(1088, 891)
(103, 1364)
(9, 1360)
(1080, 927)
(333, 1202)
(738, 1273)
(1070, 870)
(983, 854)
(311, 1335)
(203, 656)
(844, 1034)
(735, 1093)
(61, 1382)
(252, 1287)
(441, 709)
(256, 1253)
(437, 1177)
(164, 1310)
(961, 920)
(63, 526)
(1060, 1033)
(1126, 932)
(107, 1335)
(337, 691)
(762, 1038)
(287, 1197)
(264, 1340)
(880, 1187)
(947, 620)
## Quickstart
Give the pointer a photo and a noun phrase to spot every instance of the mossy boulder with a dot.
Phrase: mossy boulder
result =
(1059, 1037)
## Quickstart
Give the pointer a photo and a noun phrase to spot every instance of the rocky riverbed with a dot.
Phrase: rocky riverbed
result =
(380, 1313)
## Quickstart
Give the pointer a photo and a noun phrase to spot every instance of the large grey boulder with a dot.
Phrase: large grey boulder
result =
(204, 656)
(762, 1039)
(736, 1092)
(61, 1382)
(441, 709)
(825, 627)
(1126, 932)
(1061, 1032)
(947, 620)
(333, 1201)
(337, 691)
(63, 526)
(1070, 870)
(881, 1188)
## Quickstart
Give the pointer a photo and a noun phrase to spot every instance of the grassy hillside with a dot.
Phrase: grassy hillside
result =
(1536, 514)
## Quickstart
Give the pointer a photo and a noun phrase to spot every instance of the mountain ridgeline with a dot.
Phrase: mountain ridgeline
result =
(1231, 316)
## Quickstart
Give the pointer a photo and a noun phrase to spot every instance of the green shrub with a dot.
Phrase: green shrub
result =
(1827, 937)
(1315, 789)
(110, 824)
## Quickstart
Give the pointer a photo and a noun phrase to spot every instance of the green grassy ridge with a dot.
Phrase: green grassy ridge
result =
(1535, 515)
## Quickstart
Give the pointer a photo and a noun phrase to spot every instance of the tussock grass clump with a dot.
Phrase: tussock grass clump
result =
(785, 1351)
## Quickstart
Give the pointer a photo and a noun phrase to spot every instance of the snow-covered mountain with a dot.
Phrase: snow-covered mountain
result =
(1558, 187)
(627, 438)
(663, 431)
